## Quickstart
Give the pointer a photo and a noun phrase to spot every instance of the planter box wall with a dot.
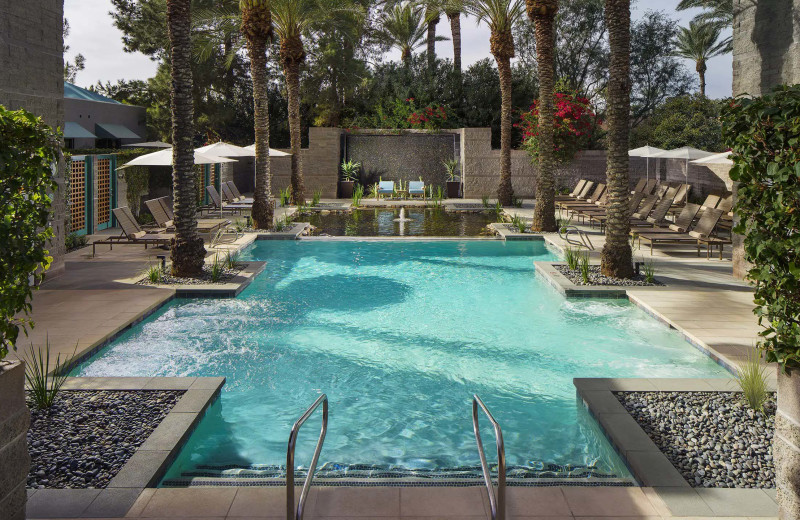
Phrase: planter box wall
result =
(14, 458)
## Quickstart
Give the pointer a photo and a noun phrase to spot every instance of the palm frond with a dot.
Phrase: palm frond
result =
(500, 15)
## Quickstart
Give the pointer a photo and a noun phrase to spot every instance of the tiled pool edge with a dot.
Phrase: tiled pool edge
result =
(150, 461)
(649, 465)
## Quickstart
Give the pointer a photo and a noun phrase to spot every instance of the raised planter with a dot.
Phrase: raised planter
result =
(14, 458)
(453, 189)
(346, 189)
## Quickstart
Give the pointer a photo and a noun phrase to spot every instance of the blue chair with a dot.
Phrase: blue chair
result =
(416, 188)
(386, 187)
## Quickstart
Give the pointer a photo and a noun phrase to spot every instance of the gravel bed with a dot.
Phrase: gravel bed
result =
(595, 278)
(86, 437)
(203, 279)
(712, 438)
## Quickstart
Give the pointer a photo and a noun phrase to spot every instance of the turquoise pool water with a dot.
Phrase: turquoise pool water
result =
(400, 335)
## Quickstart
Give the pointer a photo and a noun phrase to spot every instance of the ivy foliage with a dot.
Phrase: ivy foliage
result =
(29, 154)
(764, 134)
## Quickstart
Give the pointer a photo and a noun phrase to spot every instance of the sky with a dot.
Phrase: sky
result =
(93, 34)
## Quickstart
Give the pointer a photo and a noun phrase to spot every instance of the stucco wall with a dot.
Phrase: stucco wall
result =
(766, 45)
(32, 77)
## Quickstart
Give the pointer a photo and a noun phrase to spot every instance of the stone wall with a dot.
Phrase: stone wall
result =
(32, 77)
(481, 166)
(766, 45)
(406, 156)
(14, 457)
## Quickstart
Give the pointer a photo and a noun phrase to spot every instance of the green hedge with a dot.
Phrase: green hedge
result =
(764, 134)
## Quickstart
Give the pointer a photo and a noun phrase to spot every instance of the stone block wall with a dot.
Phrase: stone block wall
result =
(32, 77)
(766, 45)
(14, 457)
(320, 163)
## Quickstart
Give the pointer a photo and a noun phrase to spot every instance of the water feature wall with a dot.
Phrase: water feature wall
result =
(402, 157)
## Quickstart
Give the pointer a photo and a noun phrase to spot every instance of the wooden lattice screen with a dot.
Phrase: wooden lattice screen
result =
(103, 192)
(77, 204)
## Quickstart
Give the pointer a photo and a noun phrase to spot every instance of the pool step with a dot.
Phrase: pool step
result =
(272, 475)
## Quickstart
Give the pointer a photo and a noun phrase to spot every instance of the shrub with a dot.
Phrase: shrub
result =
(584, 267)
(75, 241)
(45, 382)
(682, 121)
(350, 170)
(574, 124)
(232, 259)
(29, 155)
(217, 269)
(763, 133)
(649, 272)
(571, 257)
(154, 274)
(752, 379)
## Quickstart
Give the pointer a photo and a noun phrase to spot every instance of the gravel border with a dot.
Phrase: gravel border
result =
(203, 279)
(87, 436)
(595, 278)
(712, 438)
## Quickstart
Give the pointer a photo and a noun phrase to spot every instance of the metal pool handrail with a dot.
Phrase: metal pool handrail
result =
(497, 503)
(585, 240)
(291, 513)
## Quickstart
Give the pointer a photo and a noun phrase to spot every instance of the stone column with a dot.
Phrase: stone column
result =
(14, 458)
(786, 444)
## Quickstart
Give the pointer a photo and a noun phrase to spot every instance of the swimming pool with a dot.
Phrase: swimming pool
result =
(399, 335)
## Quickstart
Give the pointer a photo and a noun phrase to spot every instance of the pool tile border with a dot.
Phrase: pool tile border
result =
(151, 460)
(646, 461)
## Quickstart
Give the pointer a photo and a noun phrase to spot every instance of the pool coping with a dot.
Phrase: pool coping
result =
(149, 462)
(229, 289)
(649, 465)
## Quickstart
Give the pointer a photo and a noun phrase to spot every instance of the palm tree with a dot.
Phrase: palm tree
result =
(501, 16)
(404, 29)
(700, 42)
(187, 252)
(717, 12)
(543, 14)
(616, 256)
(453, 12)
(257, 29)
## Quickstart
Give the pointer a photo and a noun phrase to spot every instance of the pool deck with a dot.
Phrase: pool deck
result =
(91, 303)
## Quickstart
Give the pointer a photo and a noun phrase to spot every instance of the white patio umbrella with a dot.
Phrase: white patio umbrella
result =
(222, 149)
(687, 153)
(164, 158)
(647, 152)
(719, 158)
(272, 151)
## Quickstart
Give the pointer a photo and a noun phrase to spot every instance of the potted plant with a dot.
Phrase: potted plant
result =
(349, 176)
(453, 179)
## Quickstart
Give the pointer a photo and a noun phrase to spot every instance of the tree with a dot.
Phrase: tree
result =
(453, 12)
(404, 29)
(700, 42)
(762, 133)
(616, 258)
(188, 252)
(71, 70)
(716, 12)
(29, 153)
(543, 14)
(501, 16)
(433, 10)
(690, 120)
(257, 30)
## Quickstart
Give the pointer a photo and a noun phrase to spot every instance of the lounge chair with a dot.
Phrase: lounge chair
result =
(701, 234)
(386, 188)
(132, 232)
(649, 186)
(164, 217)
(682, 223)
(218, 204)
(647, 206)
(580, 195)
(574, 193)
(416, 188)
(237, 194)
(601, 216)
(590, 200)
(639, 186)
(656, 216)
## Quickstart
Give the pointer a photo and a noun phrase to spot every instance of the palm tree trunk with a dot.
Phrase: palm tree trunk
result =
(505, 192)
(432, 42)
(544, 215)
(616, 257)
(787, 454)
(455, 30)
(262, 212)
(701, 71)
(187, 252)
(292, 55)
